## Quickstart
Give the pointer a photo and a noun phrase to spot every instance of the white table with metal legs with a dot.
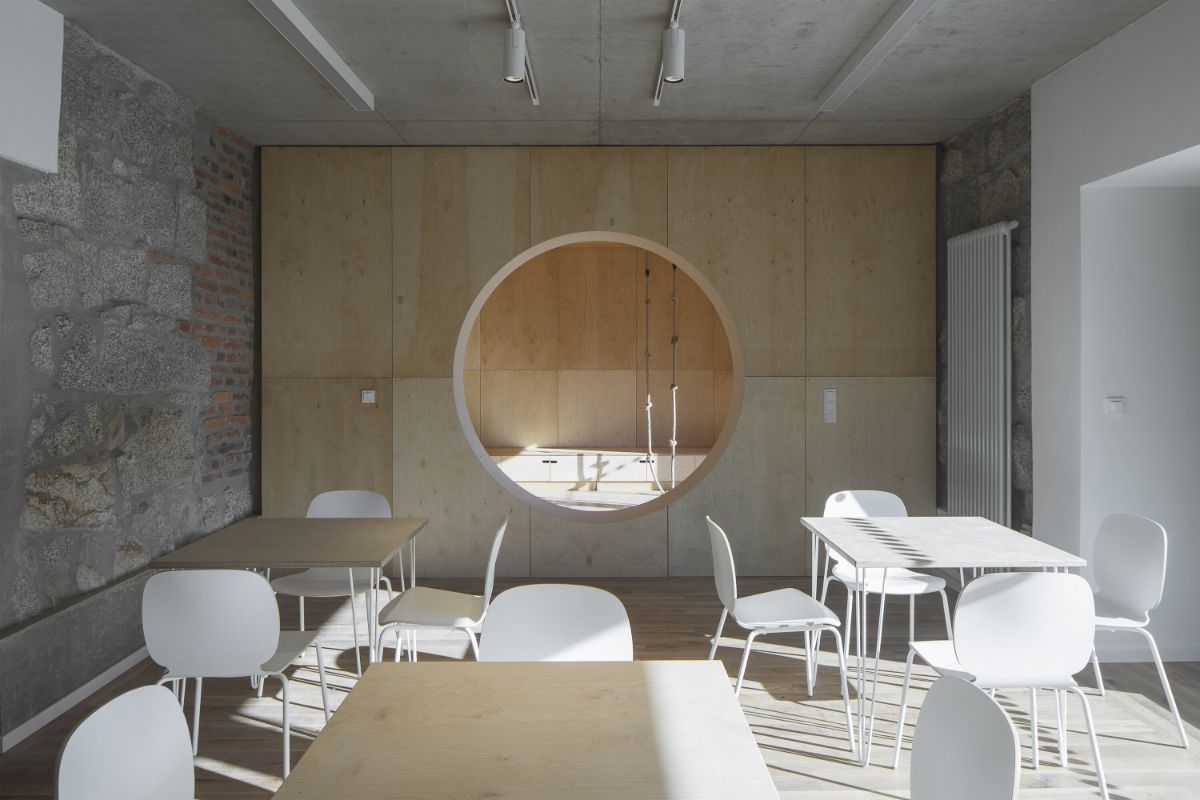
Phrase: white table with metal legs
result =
(916, 543)
(307, 542)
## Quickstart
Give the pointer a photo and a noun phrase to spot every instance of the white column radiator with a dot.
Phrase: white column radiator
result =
(979, 415)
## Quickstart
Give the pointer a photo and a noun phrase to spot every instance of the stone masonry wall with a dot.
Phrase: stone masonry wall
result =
(127, 388)
(983, 179)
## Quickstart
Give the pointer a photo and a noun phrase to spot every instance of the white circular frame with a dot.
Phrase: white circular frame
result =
(727, 426)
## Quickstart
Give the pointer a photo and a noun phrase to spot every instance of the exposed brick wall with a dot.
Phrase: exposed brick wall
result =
(224, 296)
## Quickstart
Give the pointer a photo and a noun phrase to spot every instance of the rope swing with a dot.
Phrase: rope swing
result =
(674, 378)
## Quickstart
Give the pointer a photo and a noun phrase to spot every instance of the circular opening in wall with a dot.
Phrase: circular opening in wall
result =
(563, 351)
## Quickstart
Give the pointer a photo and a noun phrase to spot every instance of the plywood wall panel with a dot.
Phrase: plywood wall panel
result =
(595, 408)
(437, 476)
(519, 322)
(737, 214)
(562, 549)
(519, 408)
(318, 436)
(871, 260)
(599, 188)
(326, 262)
(460, 214)
(596, 307)
(755, 492)
(883, 439)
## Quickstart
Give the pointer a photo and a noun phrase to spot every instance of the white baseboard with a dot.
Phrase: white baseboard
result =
(57, 709)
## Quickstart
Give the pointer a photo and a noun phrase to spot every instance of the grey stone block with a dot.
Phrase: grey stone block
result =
(41, 350)
(64, 438)
(128, 361)
(140, 210)
(170, 290)
(52, 276)
(123, 274)
(69, 496)
(192, 234)
(53, 197)
(162, 450)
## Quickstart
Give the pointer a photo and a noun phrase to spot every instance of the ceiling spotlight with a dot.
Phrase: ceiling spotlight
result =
(514, 54)
(673, 53)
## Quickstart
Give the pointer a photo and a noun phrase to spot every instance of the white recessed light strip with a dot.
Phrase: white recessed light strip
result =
(308, 41)
(901, 18)
(518, 68)
(671, 66)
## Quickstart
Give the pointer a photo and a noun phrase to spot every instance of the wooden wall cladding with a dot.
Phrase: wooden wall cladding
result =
(518, 325)
(596, 306)
(459, 215)
(318, 436)
(519, 407)
(884, 438)
(737, 213)
(326, 255)
(870, 260)
(592, 411)
(577, 189)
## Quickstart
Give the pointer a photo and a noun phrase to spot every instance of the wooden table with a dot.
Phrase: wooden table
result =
(917, 543)
(302, 543)
(643, 730)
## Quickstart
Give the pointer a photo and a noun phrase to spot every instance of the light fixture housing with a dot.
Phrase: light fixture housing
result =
(514, 54)
(673, 40)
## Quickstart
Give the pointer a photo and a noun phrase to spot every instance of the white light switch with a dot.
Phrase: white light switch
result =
(368, 397)
(1114, 406)
(830, 406)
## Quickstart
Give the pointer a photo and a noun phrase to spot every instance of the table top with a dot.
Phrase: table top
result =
(296, 543)
(929, 542)
(640, 730)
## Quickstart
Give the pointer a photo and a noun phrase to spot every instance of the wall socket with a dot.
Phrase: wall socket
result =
(830, 406)
(368, 397)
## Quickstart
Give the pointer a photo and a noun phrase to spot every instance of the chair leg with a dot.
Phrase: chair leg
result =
(849, 615)
(1162, 676)
(301, 612)
(183, 693)
(196, 717)
(354, 625)
(1060, 702)
(324, 685)
(912, 617)
(737, 689)
(908, 663)
(1033, 729)
(841, 654)
(1096, 669)
(946, 612)
(826, 578)
(386, 581)
(399, 648)
(712, 653)
(287, 727)
(474, 643)
(1087, 716)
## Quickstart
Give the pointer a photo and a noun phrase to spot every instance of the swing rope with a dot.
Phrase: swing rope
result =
(674, 371)
(649, 401)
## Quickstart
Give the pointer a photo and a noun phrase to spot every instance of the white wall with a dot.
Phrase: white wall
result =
(31, 45)
(1131, 99)
(1141, 340)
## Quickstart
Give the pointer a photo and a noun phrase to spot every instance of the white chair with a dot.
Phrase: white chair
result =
(424, 607)
(556, 622)
(221, 624)
(1129, 566)
(964, 746)
(900, 582)
(1019, 630)
(134, 747)
(339, 581)
(778, 611)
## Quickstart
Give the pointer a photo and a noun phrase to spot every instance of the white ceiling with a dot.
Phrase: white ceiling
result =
(754, 67)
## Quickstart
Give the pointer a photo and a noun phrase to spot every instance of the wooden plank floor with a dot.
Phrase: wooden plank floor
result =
(802, 739)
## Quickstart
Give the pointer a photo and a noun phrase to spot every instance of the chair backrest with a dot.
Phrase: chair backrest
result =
(1021, 629)
(556, 622)
(1129, 562)
(134, 747)
(724, 574)
(220, 623)
(347, 504)
(964, 746)
(864, 503)
(489, 579)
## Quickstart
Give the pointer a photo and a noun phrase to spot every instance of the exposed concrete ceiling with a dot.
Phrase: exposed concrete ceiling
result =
(754, 67)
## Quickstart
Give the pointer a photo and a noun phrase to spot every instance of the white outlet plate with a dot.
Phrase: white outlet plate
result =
(830, 406)
(368, 397)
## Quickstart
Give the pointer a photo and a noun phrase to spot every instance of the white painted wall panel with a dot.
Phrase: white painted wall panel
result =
(31, 44)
